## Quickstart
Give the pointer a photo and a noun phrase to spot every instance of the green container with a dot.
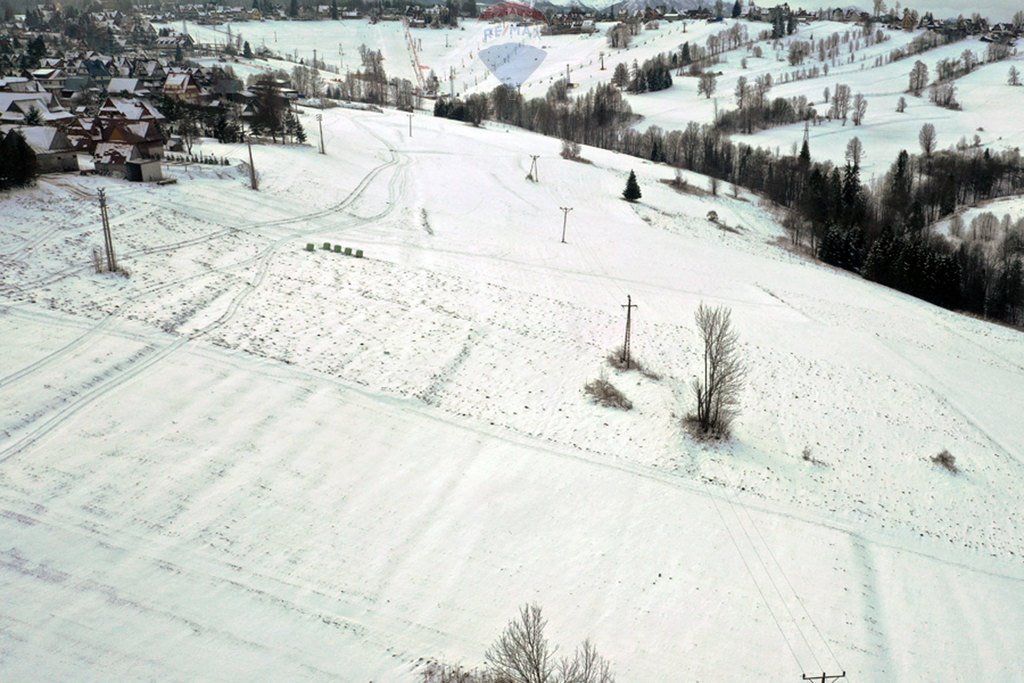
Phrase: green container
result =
(348, 251)
(359, 253)
(337, 248)
(310, 246)
(327, 246)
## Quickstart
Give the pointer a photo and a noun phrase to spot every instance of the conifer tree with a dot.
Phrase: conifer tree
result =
(632, 191)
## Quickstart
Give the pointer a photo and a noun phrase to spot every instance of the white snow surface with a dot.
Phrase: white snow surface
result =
(247, 460)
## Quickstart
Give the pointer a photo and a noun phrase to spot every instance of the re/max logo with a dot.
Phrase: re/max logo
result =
(511, 31)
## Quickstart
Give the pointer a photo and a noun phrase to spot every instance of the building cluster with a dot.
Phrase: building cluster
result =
(109, 85)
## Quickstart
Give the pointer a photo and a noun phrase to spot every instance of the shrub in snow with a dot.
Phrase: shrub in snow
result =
(570, 150)
(326, 246)
(310, 246)
(348, 251)
(337, 248)
(359, 253)
(945, 459)
(617, 359)
(604, 393)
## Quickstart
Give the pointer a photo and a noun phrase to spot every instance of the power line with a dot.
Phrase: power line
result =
(774, 585)
(751, 575)
(795, 594)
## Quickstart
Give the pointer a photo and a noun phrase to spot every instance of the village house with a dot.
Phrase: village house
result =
(182, 86)
(54, 152)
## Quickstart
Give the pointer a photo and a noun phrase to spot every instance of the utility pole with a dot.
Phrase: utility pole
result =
(629, 306)
(534, 174)
(451, 77)
(602, 60)
(320, 122)
(108, 240)
(568, 81)
(252, 168)
(410, 125)
(565, 216)
(823, 677)
(314, 58)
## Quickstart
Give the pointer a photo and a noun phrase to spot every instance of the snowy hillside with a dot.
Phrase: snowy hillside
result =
(248, 460)
(453, 55)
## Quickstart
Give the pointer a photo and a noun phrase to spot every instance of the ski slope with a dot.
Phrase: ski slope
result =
(252, 461)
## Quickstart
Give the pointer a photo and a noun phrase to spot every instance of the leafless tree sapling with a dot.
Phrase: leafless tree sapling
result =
(718, 388)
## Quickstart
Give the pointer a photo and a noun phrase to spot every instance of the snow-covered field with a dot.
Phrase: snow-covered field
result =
(252, 461)
(883, 134)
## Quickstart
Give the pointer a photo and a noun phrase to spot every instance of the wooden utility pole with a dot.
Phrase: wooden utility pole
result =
(252, 168)
(534, 174)
(108, 240)
(602, 60)
(410, 125)
(565, 216)
(823, 677)
(629, 306)
(320, 122)
(568, 81)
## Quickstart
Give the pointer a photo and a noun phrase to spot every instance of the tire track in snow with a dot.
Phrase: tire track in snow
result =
(873, 615)
(18, 292)
(56, 419)
(56, 355)
(264, 260)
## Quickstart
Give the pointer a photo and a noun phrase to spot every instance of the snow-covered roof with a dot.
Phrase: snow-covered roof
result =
(44, 139)
(115, 152)
(133, 110)
(177, 81)
(41, 100)
(119, 85)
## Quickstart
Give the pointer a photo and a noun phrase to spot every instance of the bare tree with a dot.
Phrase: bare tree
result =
(840, 102)
(901, 105)
(706, 84)
(717, 390)
(854, 151)
(927, 139)
(956, 225)
(1014, 76)
(860, 107)
(742, 91)
(918, 78)
(521, 654)
(586, 666)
